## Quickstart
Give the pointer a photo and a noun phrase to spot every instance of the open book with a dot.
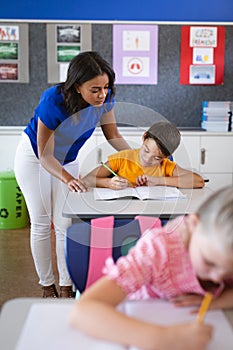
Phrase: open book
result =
(141, 192)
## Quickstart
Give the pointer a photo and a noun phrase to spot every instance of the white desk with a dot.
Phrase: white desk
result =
(84, 206)
(41, 324)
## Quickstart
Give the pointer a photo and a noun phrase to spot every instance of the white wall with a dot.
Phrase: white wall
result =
(9, 137)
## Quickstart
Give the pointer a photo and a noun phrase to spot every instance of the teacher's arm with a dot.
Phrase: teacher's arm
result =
(45, 142)
(111, 132)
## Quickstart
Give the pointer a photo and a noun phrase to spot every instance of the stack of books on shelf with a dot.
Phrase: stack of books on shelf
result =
(216, 116)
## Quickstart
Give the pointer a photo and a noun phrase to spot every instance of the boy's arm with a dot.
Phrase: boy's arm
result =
(101, 177)
(187, 178)
(98, 177)
(180, 178)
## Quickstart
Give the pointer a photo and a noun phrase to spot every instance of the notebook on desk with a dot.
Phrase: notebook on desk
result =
(46, 326)
(141, 192)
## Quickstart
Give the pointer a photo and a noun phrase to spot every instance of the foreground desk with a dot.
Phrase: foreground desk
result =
(40, 324)
(83, 205)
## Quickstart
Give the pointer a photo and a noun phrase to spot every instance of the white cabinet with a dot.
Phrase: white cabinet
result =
(210, 154)
(187, 154)
(217, 159)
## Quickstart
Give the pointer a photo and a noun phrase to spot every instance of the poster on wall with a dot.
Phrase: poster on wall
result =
(135, 54)
(9, 33)
(202, 55)
(70, 40)
(14, 53)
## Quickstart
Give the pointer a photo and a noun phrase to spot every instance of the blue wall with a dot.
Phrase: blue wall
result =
(120, 10)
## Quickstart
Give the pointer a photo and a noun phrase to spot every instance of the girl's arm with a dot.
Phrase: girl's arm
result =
(95, 313)
(45, 142)
(180, 178)
(224, 301)
(101, 177)
(111, 132)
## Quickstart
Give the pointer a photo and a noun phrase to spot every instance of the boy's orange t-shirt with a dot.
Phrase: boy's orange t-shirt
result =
(126, 164)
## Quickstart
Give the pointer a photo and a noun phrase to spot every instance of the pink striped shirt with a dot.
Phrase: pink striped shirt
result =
(157, 267)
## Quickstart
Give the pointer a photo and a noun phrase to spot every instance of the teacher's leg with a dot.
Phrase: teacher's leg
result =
(59, 194)
(35, 183)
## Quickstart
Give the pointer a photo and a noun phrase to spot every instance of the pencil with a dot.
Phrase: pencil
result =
(106, 167)
(204, 307)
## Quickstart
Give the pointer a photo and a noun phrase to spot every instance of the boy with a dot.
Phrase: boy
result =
(148, 166)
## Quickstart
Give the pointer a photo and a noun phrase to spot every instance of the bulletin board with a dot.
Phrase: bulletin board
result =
(202, 55)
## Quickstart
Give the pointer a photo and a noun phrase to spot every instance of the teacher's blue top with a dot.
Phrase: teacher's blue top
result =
(71, 131)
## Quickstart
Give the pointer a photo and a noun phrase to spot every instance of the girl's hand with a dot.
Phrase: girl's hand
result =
(118, 183)
(191, 336)
(185, 300)
(77, 185)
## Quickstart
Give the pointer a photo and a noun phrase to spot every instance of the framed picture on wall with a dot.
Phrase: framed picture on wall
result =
(69, 33)
(65, 41)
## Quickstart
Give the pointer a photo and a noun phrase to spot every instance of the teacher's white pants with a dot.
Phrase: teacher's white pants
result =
(44, 195)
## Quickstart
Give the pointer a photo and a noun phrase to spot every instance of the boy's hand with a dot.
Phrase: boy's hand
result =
(145, 180)
(142, 180)
(118, 183)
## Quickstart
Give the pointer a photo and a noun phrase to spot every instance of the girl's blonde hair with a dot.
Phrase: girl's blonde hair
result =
(216, 215)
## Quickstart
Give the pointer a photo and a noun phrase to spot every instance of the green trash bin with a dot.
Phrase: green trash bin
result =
(13, 209)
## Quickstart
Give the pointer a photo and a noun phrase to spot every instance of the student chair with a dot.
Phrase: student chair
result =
(89, 244)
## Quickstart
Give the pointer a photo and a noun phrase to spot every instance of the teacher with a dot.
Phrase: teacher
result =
(46, 160)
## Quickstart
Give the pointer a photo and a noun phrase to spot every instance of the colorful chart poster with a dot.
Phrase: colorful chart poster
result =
(14, 53)
(203, 36)
(9, 72)
(9, 32)
(135, 54)
(202, 55)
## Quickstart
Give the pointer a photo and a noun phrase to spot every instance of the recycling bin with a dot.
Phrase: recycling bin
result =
(13, 209)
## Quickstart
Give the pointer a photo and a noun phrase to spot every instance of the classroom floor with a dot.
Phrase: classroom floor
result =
(17, 273)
